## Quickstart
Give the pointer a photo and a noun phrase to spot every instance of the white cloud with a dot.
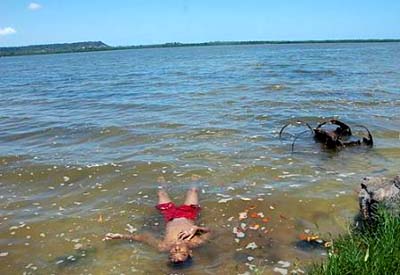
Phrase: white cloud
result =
(34, 6)
(7, 31)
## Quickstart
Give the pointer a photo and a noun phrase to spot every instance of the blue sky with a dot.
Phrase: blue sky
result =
(133, 22)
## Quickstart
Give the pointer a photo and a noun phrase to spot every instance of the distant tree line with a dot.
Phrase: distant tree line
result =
(100, 46)
(55, 48)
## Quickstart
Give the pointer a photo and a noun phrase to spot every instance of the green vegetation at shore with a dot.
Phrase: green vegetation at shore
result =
(55, 48)
(100, 46)
(373, 251)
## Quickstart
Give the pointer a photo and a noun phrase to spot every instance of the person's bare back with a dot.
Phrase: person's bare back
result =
(181, 233)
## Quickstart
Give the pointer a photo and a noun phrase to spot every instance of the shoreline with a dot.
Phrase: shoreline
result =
(33, 49)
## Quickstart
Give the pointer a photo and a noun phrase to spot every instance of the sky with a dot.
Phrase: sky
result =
(138, 22)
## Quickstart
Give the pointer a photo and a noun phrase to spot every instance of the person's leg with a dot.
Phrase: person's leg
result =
(163, 197)
(165, 205)
(192, 197)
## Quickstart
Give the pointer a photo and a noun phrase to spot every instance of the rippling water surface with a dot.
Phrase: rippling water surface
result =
(86, 140)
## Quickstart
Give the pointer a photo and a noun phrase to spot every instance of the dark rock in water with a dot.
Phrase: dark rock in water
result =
(310, 245)
(377, 191)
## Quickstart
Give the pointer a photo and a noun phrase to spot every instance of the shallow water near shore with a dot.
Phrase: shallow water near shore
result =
(88, 138)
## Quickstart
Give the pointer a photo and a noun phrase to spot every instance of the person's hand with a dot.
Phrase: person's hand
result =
(187, 234)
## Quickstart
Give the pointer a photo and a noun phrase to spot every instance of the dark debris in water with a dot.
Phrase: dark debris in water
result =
(311, 245)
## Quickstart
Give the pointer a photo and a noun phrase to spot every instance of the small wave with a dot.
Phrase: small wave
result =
(213, 132)
(276, 87)
(316, 72)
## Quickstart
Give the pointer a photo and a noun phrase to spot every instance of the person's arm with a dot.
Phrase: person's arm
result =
(145, 238)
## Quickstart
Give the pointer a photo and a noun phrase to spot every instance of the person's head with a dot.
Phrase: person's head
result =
(179, 253)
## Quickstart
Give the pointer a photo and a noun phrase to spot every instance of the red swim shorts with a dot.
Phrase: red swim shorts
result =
(170, 211)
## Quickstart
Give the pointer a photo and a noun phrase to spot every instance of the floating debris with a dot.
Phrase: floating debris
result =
(225, 200)
(308, 238)
(281, 270)
(284, 264)
(345, 175)
(238, 233)
(130, 228)
(254, 227)
(245, 199)
(251, 245)
(288, 176)
(242, 215)
(77, 256)
(252, 267)
(310, 242)
(298, 271)
(15, 227)
(78, 246)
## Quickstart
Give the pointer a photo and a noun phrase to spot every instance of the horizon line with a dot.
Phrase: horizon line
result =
(219, 41)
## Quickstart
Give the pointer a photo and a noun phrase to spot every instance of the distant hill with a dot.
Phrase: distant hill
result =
(55, 48)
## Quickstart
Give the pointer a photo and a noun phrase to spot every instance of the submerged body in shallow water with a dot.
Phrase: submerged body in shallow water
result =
(181, 233)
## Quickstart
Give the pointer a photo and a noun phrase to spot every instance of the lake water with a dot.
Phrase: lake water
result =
(86, 140)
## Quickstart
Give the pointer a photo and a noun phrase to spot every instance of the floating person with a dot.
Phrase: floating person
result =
(181, 233)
